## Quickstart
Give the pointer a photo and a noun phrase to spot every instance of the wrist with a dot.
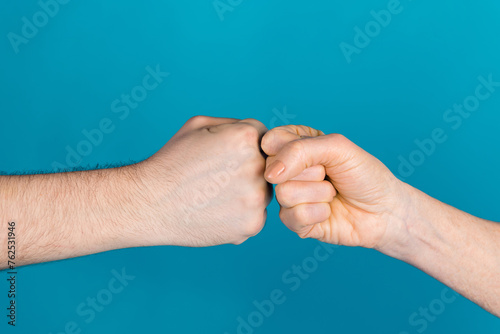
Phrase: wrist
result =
(420, 221)
(406, 225)
(147, 207)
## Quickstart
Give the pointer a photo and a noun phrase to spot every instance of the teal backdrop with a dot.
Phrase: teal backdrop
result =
(386, 74)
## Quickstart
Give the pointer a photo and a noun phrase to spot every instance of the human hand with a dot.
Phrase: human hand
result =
(205, 186)
(359, 203)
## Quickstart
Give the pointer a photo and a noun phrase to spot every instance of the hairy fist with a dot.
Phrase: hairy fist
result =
(206, 186)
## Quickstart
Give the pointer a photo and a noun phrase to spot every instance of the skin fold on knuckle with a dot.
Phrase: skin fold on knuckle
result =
(295, 152)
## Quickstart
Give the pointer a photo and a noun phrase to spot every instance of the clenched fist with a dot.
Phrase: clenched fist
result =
(206, 186)
(356, 204)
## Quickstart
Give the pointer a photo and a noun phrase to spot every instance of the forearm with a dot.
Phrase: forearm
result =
(458, 249)
(66, 215)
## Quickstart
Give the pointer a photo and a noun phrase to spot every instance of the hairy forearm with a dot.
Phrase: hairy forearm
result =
(66, 215)
(456, 248)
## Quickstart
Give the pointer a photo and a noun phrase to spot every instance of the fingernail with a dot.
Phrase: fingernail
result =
(276, 169)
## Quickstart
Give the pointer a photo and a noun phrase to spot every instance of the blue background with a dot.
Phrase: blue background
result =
(264, 56)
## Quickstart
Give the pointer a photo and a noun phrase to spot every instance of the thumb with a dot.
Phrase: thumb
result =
(274, 140)
(296, 156)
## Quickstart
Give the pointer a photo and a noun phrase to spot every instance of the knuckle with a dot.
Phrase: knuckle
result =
(338, 138)
(254, 227)
(257, 199)
(282, 191)
(197, 120)
(342, 146)
(251, 133)
(249, 152)
(296, 148)
(282, 215)
(253, 169)
(240, 241)
(246, 132)
(255, 121)
(300, 214)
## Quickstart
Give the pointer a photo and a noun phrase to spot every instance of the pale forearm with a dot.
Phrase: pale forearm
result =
(458, 249)
(66, 215)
